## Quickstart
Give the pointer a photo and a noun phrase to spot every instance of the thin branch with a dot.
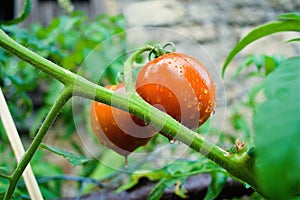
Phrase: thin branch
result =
(18, 149)
(55, 110)
(128, 65)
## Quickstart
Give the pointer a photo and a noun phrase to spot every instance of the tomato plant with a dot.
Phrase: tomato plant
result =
(258, 165)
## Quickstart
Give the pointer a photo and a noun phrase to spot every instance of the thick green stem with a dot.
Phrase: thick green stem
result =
(55, 110)
(59, 73)
(240, 166)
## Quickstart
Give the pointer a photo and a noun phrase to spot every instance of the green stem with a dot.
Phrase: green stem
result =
(240, 166)
(128, 68)
(58, 105)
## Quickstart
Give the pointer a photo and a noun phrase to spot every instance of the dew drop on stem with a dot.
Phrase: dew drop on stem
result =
(172, 141)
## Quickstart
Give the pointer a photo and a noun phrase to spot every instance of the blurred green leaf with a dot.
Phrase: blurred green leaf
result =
(109, 163)
(293, 24)
(179, 189)
(67, 41)
(277, 128)
(240, 123)
(218, 180)
(72, 158)
(167, 176)
(289, 16)
(158, 190)
(4, 169)
(252, 94)
(134, 178)
(294, 40)
(269, 63)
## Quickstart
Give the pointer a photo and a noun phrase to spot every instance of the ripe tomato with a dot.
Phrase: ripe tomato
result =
(180, 85)
(116, 129)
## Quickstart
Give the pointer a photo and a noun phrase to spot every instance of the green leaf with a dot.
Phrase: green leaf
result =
(4, 169)
(259, 32)
(277, 129)
(158, 190)
(179, 189)
(293, 40)
(289, 16)
(252, 101)
(179, 170)
(218, 180)
(134, 179)
(239, 122)
(72, 158)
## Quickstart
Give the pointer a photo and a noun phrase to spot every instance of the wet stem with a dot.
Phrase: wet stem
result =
(240, 166)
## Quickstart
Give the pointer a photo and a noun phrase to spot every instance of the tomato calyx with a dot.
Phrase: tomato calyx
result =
(159, 50)
(156, 51)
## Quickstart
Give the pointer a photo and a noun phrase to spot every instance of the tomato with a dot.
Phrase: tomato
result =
(179, 85)
(116, 129)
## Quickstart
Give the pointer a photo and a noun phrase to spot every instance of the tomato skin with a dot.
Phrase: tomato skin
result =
(180, 85)
(116, 129)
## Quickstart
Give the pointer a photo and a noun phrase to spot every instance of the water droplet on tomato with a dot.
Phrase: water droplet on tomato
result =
(161, 89)
(170, 95)
(157, 87)
(158, 99)
(207, 110)
(126, 161)
(199, 106)
(205, 91)
(195, 102)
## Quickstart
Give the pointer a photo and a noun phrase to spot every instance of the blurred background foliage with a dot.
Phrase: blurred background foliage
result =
(67, 40)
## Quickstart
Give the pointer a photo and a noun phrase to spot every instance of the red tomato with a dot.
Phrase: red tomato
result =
(179, 85)
(116, 129)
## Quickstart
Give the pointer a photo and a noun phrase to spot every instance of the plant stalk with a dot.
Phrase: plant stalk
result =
(18, 149)
(128, 68)
(25, 160)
